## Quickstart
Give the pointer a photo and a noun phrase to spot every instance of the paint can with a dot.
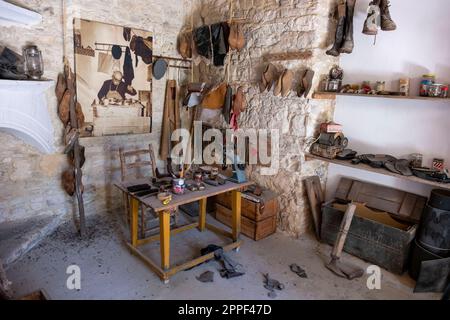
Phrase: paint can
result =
(438, 164)
(178, 186)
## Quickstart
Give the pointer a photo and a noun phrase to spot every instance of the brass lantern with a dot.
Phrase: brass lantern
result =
(34, 65)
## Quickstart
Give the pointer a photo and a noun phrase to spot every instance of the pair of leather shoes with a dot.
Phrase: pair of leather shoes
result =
(236, 39)
(268, 78)
(284, 83)
(305, 83)
(185, 45)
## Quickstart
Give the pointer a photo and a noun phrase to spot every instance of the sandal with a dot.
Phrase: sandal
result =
(298, 270)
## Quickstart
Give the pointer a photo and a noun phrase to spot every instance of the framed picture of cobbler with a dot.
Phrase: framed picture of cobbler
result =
(113, 72)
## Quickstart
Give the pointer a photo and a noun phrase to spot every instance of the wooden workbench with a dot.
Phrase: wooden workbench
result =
(165, 271)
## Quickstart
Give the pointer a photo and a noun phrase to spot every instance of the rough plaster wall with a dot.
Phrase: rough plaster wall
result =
(30, 181)
(277, 27)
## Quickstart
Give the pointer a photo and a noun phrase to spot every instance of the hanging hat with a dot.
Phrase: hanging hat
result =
(127, 34)
(116, 52)
(159, 68)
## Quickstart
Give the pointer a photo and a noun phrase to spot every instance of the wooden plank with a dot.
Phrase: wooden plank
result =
(138, 164)
(219, 230)
(315, 197)
(354, 191)
(164, 232)
(201, 259)
(286, 56)
(135, 153)
(147, 261)
(134, 222)
(202, 214)
(236, 214)
(178, 200)
(333, 95)
(382, 171)
(173, 232)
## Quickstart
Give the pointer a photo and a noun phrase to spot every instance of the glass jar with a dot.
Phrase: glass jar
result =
(404, 86)
(427, 80)
(416, 160)
(380, 86)
(435, 90)
(333, 85)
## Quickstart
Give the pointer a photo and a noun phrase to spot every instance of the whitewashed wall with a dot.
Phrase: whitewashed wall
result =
(399, 127)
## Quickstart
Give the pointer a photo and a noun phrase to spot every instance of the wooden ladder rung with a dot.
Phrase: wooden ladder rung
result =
(135, 153)
(139, 164)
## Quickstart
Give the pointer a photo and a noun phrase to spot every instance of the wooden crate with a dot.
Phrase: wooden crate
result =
(375, 242)
(256, 230)
(37, 295)
(253, 210)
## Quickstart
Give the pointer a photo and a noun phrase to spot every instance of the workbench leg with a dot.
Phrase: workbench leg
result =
(134, 222)
(164, 225)
(202, 215)
(236, 216)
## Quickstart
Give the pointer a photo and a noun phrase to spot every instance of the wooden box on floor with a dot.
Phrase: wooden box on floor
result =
(259, 220)
(385, 242)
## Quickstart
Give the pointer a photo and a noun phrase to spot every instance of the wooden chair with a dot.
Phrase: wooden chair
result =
(135, 161)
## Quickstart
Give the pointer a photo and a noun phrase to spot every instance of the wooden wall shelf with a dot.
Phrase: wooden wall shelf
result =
(382, 171)
(333, 95)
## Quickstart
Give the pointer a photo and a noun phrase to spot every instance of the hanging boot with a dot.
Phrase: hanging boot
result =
(371, 23)
(347, 46)
(340, 30)
(387, 24)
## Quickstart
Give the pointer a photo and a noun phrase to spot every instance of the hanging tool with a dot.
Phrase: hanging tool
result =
(344, 270)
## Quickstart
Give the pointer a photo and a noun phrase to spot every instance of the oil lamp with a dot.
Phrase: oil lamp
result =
(34, 65)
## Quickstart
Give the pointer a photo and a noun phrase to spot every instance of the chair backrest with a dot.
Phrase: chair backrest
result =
(134, 160)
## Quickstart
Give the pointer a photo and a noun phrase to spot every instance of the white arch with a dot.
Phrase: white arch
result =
(24, 112)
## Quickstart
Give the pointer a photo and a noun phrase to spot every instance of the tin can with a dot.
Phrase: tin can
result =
(444, 91)
(198, 177)
(427, 80)
(438, 164)
(404, 86)
(178, 186)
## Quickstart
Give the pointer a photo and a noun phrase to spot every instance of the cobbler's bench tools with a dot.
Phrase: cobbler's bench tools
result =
(165, 270)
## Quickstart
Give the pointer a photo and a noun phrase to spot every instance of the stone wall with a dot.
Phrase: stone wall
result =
(30, 181)
(276, 27)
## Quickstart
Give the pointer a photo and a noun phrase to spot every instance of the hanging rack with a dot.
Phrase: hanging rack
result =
(106, 47)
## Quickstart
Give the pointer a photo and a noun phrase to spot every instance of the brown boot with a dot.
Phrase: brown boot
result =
(387, 24)
(340, 31)
(370, 25)
(347, 46)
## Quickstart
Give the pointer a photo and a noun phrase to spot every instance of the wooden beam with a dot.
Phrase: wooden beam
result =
(157, 237)
(164, 232)
(201, 259)
(219, 231)
(236, 215)
(134, 222)
(202, 214)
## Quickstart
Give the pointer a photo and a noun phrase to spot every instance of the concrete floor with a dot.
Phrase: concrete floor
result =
(109, 271)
